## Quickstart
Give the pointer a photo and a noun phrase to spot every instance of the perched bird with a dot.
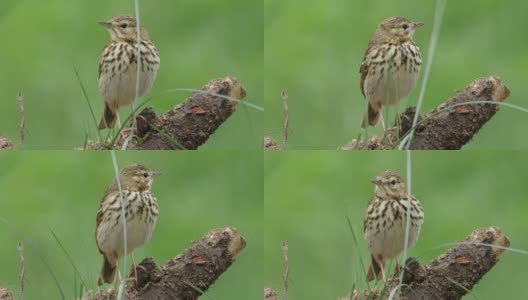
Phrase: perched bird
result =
(117, 67)
(141, 211)
(385, 221)
(391, 48)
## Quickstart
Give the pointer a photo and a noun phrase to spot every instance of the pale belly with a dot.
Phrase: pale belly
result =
(398, 85)
(121, 87)
(389, 243)
(111, 239)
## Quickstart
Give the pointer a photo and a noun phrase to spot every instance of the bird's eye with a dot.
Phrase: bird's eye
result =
(145, 175)
(124, 25)
(405, 26)
(393, 182)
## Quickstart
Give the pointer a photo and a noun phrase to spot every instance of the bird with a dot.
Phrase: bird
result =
(118, 70)
(391, 48)
(385, 222)
(141, 211)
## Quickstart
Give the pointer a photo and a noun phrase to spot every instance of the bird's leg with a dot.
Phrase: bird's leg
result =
(119, 278)
(118, 121)
(382, 121)
(383, 278)
(134, 266)
(134, 124)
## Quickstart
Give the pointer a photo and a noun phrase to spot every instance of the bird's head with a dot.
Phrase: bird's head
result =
(389, 185)
(124, 28)
(398, 28)
(137, 177)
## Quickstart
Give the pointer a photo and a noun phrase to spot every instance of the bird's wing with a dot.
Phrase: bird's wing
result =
(363, 69)
(109, 193)
(102, 58)
(366, 214)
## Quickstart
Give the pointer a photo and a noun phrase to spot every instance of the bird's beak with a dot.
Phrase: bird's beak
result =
(155, 174)
(376, 181)
(106, 24)
(417, 25)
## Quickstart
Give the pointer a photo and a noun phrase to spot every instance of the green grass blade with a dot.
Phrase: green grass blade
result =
(87, 100)
(67, 255)
(362, 264)
(463, 287)
(122, 284)
(408, 162)
(352, 291)
(394, 291)
(30, 243)
(168, 136)
(406, 137)
(439, 14)
(482, 244)
(198, 290)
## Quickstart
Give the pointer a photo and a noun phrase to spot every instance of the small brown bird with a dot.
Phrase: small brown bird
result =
(141, 211)
(117, 67)
(390, 48)
(385, 222)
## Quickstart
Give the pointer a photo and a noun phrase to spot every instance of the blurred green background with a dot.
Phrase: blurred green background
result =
(197, 192)
(308, 197)
(197, 40)
(313, 50)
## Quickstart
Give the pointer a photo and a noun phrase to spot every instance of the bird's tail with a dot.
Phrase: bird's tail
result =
(109, 118)
(108, 272)
(372, 116)
(374, 270)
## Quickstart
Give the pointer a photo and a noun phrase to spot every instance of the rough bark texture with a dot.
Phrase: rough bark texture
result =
(5, 144)
(197, 267)
(447, 127)
(190, 123)
(465, 264)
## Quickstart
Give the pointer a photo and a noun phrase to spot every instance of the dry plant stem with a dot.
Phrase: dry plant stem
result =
(22, 120)
(269, 143)
(192, 122)
(451, 128)
(286, 269)
(286, 121)
(463, 263)
(22, 268)
(198, 266)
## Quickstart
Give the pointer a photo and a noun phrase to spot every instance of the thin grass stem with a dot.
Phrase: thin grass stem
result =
(439, 13)
(122, 284)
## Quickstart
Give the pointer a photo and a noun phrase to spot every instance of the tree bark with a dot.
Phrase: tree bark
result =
(449, 126)
(190, 123)
(462, 265)
(181, 278)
